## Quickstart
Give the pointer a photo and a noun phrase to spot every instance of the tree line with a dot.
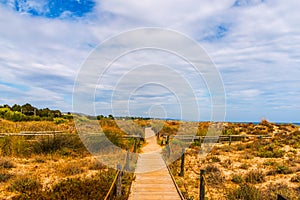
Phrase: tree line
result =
(27, 112)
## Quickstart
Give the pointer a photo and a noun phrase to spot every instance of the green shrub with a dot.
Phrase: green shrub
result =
(280, 169)
(270, 163)
(237, 179)
(275, 153)
(245, 192)
(59, 120)
(283, 169)
(255, 176)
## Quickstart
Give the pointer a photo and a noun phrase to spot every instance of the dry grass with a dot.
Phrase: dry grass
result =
(251, 169)
(57, 167)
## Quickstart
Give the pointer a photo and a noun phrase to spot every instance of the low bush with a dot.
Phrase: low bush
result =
(4, 177)
(71, 169)
(245, 192)
(270, 151)
(270, 163)
(94, 187)
(247, 156)
(26, 186)
(212, 168)
(6, 164)
(237, 178)
(215, 159)
(276, 153)
(240, 147)
(283, 169)
(244, 166)
(274, 189)
(255, 176)
(280, 169)
(227, 163)
(96, 165)
(214, 175)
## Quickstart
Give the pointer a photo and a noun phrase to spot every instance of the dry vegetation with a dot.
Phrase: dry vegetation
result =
(248, 169)
(60, 167)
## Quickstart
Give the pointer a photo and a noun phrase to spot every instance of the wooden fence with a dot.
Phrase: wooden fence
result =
(32, 133)
(115, 189)
(217, 139)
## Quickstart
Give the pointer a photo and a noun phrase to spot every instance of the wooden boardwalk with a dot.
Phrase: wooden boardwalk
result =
(153, 180)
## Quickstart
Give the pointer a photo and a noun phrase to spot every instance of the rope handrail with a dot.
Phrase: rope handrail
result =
(112, 185)
(116, 177)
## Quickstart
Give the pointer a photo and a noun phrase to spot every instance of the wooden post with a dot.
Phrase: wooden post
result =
(202, 185)
(127, 159)
(135, 145)
(200, 141)
(157, 136)
(168, 151)
(230, 138)
(119, 181)
(139, 141)
(182, 163)
(168, 138)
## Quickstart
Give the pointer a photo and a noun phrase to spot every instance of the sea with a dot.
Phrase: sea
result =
(295, 123)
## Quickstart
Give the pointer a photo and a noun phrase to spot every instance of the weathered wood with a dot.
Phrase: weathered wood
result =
(119, 181)
(182, 163)
(127, 164)
(132, 136)
(167, 141)
(168, 151)
(153, 180)
(135, 145)
(202, 185)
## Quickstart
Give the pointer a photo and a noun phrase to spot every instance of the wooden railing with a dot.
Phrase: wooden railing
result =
(116, 186)
(218, 139)
(31, 133)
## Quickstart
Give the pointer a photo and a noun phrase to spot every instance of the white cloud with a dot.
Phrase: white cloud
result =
(255, 44)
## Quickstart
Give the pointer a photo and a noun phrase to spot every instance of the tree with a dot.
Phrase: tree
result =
(16, 107)
(28, 109)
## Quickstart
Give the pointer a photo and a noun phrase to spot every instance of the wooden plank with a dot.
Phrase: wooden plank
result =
(153, 180)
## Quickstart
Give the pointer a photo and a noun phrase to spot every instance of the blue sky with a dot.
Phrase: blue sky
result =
(253, 43)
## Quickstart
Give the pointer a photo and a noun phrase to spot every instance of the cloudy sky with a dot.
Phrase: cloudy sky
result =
(253, 43)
